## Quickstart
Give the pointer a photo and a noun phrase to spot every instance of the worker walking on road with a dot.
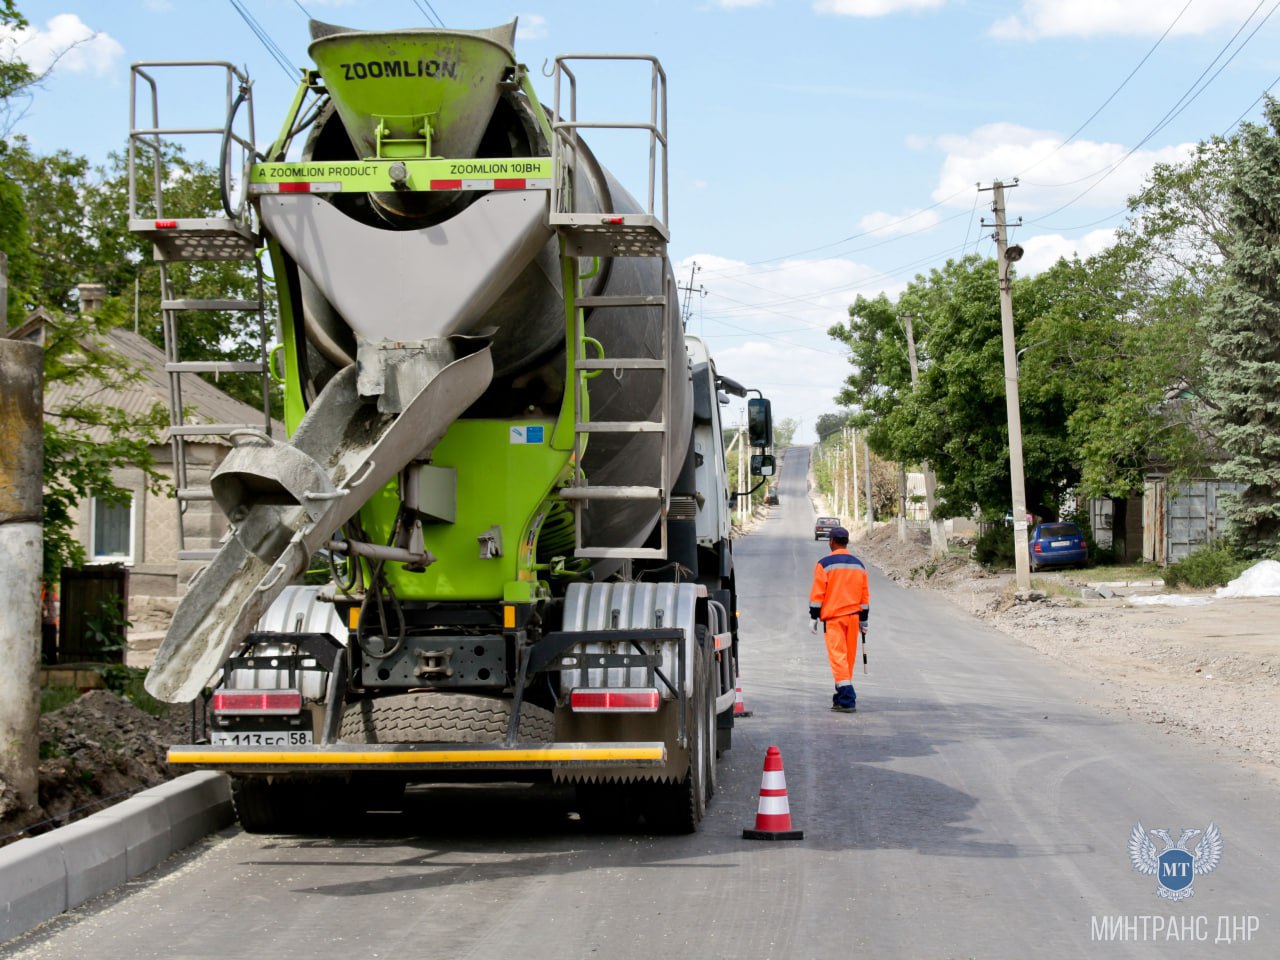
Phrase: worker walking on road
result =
(840, 599)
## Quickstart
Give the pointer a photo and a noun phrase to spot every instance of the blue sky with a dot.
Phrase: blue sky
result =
(820, 149)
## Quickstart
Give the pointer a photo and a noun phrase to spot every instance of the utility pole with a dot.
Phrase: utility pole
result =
(22, 546)
(902, 503)
(689, 291)
(866, 457)
(853, 486)
(937, 535)
(1006, 255)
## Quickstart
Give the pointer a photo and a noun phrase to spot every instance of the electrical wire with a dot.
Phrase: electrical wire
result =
(437, 22)
(864, 233)
(265, 39)
(969, 225)
(758, 308)
(1250, 108)
(870, 246)
(304, 10)
(1114, 93)
(1187, 98)
(1173, 23)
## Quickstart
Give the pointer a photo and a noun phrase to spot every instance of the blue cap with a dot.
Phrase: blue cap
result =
(838, 533)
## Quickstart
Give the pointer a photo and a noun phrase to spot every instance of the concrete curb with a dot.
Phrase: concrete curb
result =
(43, 876)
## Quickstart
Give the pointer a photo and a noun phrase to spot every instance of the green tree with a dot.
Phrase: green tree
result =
(1243, 328)
(829, 424)
(784, 432)
(956, 418)
(15, 76)
(78, 231)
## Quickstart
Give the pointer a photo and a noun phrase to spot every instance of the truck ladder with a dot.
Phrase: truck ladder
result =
(231, 237)
(606, 235)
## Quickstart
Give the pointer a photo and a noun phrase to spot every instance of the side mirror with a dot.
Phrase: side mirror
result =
(759, 422)
(762, 464)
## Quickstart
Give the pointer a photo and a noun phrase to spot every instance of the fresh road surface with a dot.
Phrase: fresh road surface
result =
(977, 805)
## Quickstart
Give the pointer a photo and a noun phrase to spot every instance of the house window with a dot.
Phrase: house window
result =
(112, 531)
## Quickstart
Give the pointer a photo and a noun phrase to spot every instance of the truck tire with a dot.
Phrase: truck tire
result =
(263, 806)
(442, 718)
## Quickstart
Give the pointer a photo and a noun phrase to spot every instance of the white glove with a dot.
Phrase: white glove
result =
(813, 626)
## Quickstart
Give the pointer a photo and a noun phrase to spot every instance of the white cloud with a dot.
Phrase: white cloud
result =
(1050, 178)
(766, 325)
(873, 8)
(1094, 18)
(66, 41)
(1045, 250)
(532, 26)
(889, 224)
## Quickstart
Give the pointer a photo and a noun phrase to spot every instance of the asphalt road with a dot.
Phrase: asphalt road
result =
(977, 805)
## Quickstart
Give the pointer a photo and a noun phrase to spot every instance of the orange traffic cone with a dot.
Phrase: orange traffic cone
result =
(773, 816)
(739, 705)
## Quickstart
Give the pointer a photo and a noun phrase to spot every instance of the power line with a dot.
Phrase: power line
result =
(1114, 92)
(867, 233)
(863, 249)
(1187, 98)
(1249, 109)
(304, 10)
(265, 39)
(437, 22)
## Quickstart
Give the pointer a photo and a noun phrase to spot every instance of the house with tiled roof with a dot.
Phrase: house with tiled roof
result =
(142, 535)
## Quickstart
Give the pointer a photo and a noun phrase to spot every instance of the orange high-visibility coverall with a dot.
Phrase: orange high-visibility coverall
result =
(841, 598)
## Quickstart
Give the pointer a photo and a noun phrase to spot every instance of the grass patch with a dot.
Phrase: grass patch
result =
(1129, 571)
(57, 697)
(1056, 588)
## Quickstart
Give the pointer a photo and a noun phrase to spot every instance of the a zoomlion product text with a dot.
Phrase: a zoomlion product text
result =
(1199, 929)
(280, 171)
(377, 69)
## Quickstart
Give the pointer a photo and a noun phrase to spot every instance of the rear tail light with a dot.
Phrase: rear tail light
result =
(631, 700)
(1035, 548)
(258, 703)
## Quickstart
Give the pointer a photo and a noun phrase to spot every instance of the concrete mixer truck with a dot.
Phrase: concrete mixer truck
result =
(500, 441)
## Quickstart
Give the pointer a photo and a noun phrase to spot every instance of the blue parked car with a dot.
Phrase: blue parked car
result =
(1053, 544)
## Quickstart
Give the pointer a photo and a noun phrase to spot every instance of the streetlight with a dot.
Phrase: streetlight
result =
(1017, 362)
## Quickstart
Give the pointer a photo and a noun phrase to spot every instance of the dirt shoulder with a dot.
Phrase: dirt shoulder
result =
(1209, 671)
(96, 751)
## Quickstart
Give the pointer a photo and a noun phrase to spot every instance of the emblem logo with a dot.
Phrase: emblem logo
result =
(1174, 868)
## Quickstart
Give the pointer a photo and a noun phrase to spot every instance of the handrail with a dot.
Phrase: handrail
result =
(152, 135)
(565, 128)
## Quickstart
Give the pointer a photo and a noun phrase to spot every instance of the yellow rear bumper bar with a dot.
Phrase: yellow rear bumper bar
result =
(345, 756)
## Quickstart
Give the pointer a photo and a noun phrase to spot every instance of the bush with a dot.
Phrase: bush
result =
(1214, 565)
(994, 548)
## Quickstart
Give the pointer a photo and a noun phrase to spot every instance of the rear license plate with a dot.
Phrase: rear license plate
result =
(1060, 543)
(260, 738)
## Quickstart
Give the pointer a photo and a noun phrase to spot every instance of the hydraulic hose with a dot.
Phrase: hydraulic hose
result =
(224, 153)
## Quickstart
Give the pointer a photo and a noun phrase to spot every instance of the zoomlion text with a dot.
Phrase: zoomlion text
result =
(377, 69)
